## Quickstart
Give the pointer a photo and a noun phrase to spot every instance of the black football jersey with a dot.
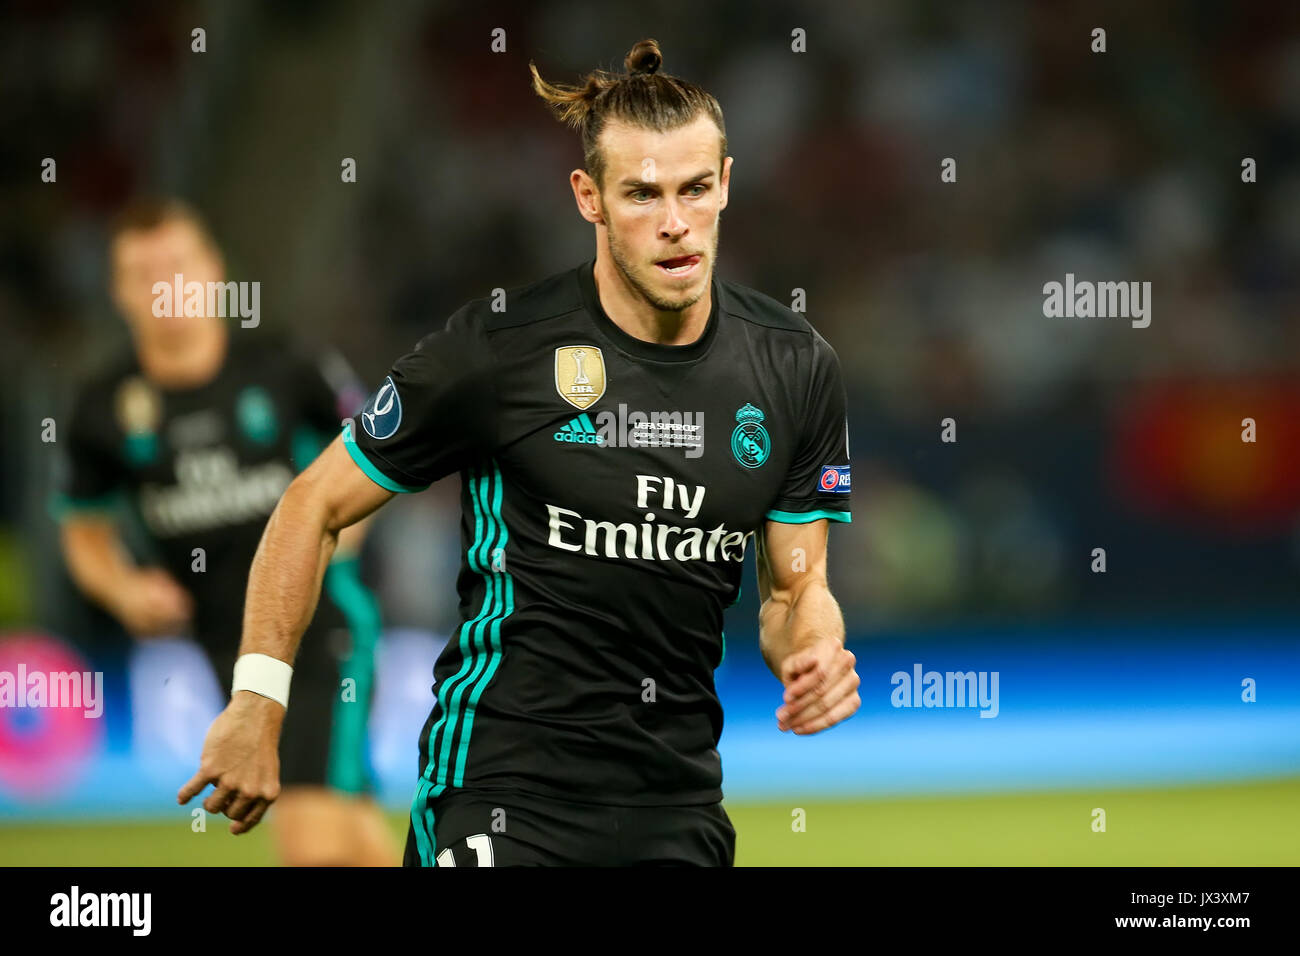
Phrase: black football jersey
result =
(203, 468)
(610, 487)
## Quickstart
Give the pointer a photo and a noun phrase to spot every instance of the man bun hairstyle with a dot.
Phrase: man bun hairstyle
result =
(645, 57)
(642, 96)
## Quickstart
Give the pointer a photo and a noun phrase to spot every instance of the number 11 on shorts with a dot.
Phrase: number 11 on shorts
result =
(480, 843)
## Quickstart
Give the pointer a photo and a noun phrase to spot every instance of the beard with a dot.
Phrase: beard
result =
(640, 281)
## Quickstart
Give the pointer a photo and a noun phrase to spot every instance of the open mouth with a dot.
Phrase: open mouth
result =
(680, 266)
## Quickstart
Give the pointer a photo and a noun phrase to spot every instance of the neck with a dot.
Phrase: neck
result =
(627, 309)
(189, 362)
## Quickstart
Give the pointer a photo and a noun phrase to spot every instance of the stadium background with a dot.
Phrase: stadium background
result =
(1119, 690)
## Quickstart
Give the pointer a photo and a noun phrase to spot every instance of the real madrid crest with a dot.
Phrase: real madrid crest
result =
(750, 442)
(580, 375)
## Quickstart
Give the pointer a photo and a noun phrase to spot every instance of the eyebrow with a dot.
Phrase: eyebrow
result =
(640, 184)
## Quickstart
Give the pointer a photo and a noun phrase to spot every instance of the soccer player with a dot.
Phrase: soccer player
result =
(621, 429)
(200, 429)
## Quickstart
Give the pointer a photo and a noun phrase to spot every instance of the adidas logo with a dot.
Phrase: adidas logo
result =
(579, 431)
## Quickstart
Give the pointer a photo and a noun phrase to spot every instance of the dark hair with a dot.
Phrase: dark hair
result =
(640, 97)
(150, 212)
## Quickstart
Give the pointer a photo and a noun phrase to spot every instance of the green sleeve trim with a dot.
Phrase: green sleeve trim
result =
(373, 473)
(807, 517)
(62, 506)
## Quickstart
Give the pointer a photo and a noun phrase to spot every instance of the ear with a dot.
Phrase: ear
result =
(587, 196)
(724, 183)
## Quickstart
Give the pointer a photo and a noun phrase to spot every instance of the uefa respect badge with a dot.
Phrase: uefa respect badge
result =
(834, 480)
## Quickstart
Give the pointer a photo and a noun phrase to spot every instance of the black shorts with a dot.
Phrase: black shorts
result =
(509, 828)
(324, 739)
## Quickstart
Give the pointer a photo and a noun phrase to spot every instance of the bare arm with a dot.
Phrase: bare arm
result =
(801, 629)
(240, 752)
(300, 538)
(797, 603)
(145, 600)
(95, 557)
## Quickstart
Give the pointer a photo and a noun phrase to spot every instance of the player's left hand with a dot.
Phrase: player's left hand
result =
(821, 687)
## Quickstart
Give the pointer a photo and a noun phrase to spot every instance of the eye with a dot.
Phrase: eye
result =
(699, 189)
(642, 192)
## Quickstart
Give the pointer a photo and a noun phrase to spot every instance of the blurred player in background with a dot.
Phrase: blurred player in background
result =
(200, 429)
(577, 720)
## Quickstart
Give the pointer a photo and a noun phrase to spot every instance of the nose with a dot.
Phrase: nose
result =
(674, 226)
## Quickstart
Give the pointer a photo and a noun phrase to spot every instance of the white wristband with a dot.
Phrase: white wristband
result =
(262, 675)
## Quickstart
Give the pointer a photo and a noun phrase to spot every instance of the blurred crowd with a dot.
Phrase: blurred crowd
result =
(1121, 165)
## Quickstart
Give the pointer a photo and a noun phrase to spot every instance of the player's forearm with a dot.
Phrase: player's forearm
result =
(791, 621)
(284, 581)
(96, 561)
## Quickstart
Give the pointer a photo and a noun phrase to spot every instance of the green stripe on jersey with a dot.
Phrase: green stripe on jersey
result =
(421, 815)
(478, 663)
(506, 607)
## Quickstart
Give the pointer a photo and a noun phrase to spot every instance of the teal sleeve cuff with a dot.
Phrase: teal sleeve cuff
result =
(807, 517)
(373, 473)
(60, 506)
